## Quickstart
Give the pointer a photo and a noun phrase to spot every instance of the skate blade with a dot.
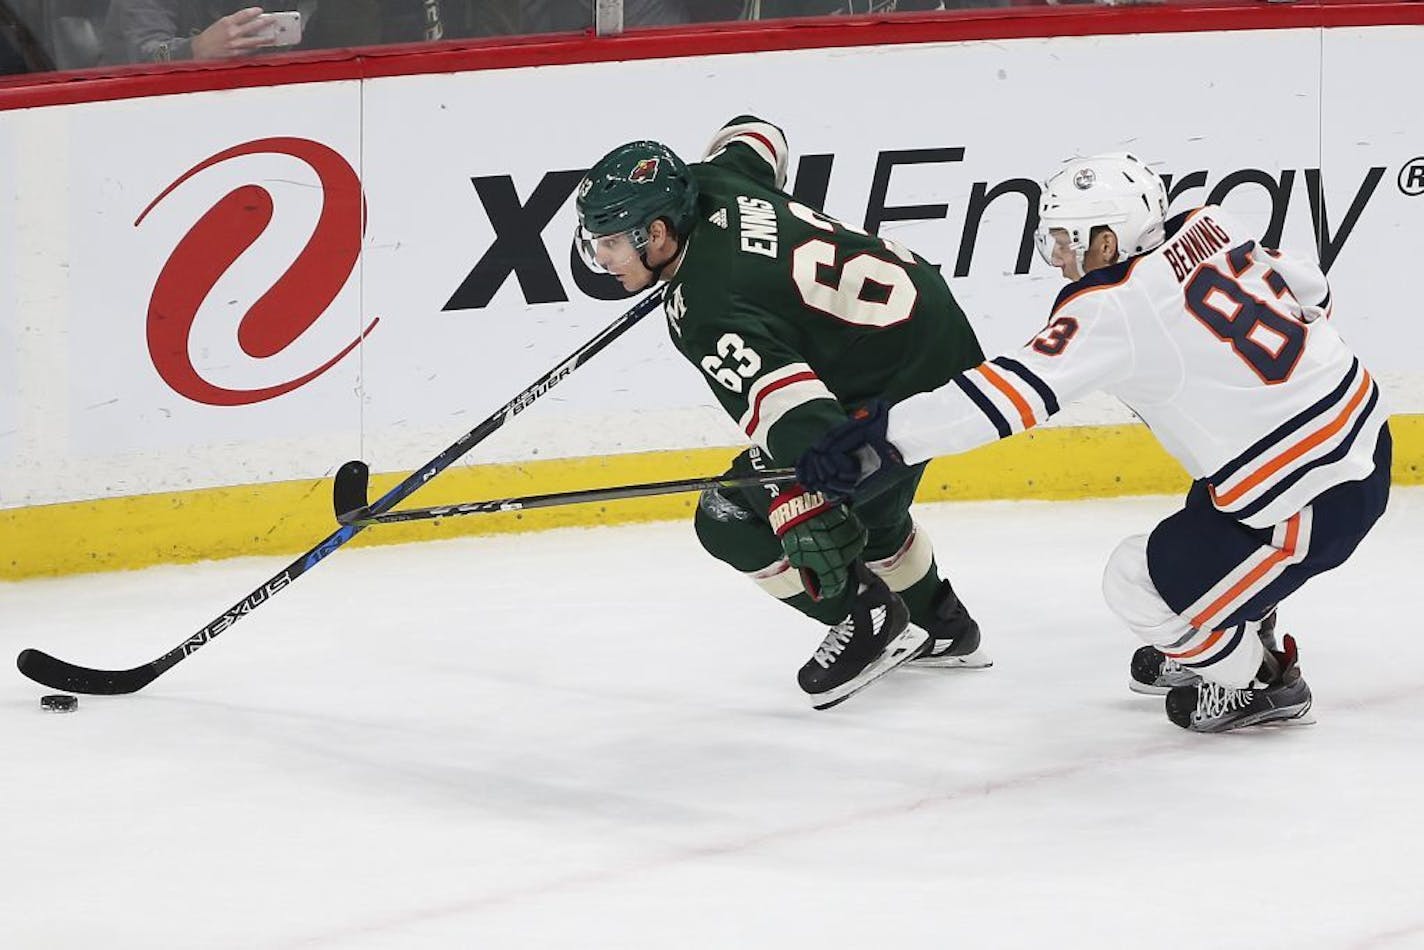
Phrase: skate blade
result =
(1146, 690)
(1306, 720)
(901, 650)
(1303, 717)
(978, 660)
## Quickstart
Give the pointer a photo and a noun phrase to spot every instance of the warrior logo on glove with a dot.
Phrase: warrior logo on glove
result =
(821, 538)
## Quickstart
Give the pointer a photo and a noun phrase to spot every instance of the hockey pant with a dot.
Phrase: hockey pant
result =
(732, 525)
(1198, 586)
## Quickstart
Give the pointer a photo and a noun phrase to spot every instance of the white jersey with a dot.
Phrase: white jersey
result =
(1224, 348)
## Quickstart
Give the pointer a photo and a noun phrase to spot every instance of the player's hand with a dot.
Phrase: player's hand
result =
(822, 539)
(234, 35)
(851, 454)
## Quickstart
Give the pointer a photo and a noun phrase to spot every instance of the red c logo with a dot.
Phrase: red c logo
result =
(287, 310)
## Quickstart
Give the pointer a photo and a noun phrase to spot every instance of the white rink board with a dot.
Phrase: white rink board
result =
(92, 416)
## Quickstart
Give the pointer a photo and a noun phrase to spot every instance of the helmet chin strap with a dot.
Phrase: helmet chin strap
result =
(1080, 252)
(658, 270)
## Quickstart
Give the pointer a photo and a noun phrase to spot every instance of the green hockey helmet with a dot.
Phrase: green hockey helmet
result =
(627, 190)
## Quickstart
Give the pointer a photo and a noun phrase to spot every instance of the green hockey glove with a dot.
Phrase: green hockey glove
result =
(821, 538)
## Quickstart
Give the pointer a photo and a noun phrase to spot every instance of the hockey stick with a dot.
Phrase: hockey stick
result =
(781, 476)
(57, 674)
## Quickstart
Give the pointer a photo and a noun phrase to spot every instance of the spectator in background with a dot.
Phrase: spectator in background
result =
(370, 22)
(489, 17)
(20, 48)
(11, 60)
(777, 9)
(512, 17)
(156, 31)
(483, 17)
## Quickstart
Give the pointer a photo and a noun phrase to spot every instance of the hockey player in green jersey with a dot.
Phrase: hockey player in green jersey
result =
(795, 319)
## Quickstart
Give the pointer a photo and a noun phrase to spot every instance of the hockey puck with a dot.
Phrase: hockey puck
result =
(59, 702)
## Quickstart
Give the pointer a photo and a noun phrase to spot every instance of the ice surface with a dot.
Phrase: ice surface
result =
(594, 739)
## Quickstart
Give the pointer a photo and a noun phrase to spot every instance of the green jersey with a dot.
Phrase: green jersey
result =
(795, 317)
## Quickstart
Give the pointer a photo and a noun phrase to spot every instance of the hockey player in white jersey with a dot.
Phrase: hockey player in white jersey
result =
(1227, 350)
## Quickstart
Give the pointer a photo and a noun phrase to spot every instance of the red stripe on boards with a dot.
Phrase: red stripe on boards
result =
(414, 59)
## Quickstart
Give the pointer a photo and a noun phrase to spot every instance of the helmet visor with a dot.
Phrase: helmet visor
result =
(1056, 245)
(610, 253)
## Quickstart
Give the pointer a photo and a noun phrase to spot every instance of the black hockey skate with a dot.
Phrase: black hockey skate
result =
(1155, 674)
(872, 641)
(954, 635)
(1278, 695)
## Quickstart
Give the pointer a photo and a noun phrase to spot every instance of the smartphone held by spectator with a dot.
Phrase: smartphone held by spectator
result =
(284, 27)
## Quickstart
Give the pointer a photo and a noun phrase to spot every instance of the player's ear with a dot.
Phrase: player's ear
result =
(1108, 244)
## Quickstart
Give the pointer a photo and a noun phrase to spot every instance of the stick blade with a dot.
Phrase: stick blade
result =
(349, 491)
(57, 674)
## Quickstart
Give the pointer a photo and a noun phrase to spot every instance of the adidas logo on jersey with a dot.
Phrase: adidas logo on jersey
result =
(719, 218)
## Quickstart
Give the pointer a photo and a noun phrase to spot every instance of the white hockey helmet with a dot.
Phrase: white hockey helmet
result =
(1114, 190)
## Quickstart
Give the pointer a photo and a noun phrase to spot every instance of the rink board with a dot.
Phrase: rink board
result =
(199, 323)
(288, 517)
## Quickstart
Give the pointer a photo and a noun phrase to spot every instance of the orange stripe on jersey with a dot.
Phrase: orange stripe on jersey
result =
(1200, 648)
(1287, 550)
(1012, 394)
(1087, 290)
(1295, 451)
(800, 377)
